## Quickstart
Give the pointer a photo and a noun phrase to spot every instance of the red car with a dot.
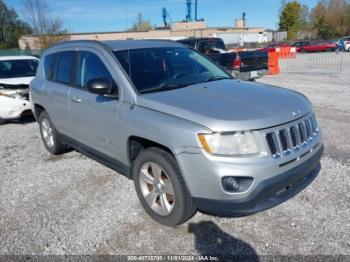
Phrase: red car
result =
(272, 47)
(316, 46)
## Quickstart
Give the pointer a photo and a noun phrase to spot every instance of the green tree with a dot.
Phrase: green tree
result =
(290, 19)
(331, 18)
(347, 20)
(12, 28)
(141, 24)
(304, 19)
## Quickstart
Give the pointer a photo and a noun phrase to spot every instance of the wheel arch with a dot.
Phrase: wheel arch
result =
(37, 109)
(136, 144)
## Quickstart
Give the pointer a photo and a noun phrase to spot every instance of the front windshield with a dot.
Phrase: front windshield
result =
(18, 68)
(160, 69)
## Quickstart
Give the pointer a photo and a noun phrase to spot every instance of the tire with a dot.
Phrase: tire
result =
(49, 135)
(169, 206)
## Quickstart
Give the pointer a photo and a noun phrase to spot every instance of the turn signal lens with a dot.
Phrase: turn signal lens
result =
(204, 143)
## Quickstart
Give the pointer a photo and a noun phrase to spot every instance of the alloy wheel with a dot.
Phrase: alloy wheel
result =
(47, 133)
(157, 188)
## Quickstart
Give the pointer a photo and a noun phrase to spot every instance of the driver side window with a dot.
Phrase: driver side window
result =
(91, 67)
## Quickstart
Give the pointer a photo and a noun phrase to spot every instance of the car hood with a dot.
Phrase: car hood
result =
(16, 80)
(230, 105)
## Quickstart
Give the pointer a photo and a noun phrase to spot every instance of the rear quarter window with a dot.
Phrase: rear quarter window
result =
(49, 66)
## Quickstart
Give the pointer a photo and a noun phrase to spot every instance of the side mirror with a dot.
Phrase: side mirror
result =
(100, 86)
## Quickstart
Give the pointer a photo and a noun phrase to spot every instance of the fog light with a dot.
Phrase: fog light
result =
(230, 183)
(236, 184)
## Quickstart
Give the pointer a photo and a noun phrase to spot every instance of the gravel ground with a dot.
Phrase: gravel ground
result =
(70, 204)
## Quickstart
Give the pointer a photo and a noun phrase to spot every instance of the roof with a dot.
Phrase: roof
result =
(17, 57)
(136, 44)
(117, 45)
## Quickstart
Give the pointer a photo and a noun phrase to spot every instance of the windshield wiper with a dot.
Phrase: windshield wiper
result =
(216, 78)
(164, 87)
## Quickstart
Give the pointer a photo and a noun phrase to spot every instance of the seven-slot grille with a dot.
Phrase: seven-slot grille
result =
(291, 138)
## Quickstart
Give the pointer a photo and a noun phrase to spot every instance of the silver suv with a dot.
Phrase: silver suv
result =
(191, 137)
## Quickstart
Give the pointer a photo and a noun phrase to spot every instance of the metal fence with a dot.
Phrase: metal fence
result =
(314, 63)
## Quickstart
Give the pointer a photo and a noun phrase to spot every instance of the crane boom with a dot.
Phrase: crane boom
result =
(189, 10)
(165, 15)
(196, 10)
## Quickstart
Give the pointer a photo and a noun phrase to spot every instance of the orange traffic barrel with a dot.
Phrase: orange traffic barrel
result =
(274, 68)
(286, 52)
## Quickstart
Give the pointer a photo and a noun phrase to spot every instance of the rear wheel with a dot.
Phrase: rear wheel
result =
(161, 188)
(50, 136)
(2, 121)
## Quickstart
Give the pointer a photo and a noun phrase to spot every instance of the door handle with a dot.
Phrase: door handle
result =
(76, 99)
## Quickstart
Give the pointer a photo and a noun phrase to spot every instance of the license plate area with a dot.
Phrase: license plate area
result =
(254, 73)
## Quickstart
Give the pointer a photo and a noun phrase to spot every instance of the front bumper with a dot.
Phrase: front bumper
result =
(13, 108)
(245, 76)
(269, 193)
(275, 180)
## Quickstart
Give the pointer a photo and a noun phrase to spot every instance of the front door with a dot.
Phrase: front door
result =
(93, 117)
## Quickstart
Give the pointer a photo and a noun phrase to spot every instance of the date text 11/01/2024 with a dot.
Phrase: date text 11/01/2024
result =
(172, 258)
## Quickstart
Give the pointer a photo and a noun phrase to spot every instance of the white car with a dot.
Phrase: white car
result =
(347, 46)
(16, 72)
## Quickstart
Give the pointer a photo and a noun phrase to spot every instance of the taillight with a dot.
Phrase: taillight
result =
(237, 62)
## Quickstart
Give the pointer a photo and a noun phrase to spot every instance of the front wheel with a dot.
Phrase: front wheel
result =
(50, 136)
(161, 188)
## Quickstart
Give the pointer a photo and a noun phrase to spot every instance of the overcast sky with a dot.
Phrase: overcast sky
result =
(116, 15)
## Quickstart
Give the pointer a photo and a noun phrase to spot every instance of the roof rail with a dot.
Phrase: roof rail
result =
(75, 41)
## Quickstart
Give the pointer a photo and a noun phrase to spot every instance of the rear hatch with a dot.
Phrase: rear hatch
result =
(253, 60)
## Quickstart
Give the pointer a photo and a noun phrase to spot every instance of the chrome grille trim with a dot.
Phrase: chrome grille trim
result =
(287, 139)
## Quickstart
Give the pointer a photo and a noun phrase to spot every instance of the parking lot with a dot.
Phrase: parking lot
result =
(70, 204)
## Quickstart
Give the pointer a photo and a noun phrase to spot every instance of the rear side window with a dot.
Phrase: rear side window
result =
(207, 47)
(66, 64)
(90, 67)
(49, 65)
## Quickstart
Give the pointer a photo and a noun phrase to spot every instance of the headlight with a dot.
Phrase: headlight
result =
(239, 143)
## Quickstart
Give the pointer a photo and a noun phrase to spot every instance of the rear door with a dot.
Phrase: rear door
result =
(59, 71)
(93, 117)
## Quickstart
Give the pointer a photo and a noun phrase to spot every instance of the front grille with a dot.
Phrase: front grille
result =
(288, 139)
